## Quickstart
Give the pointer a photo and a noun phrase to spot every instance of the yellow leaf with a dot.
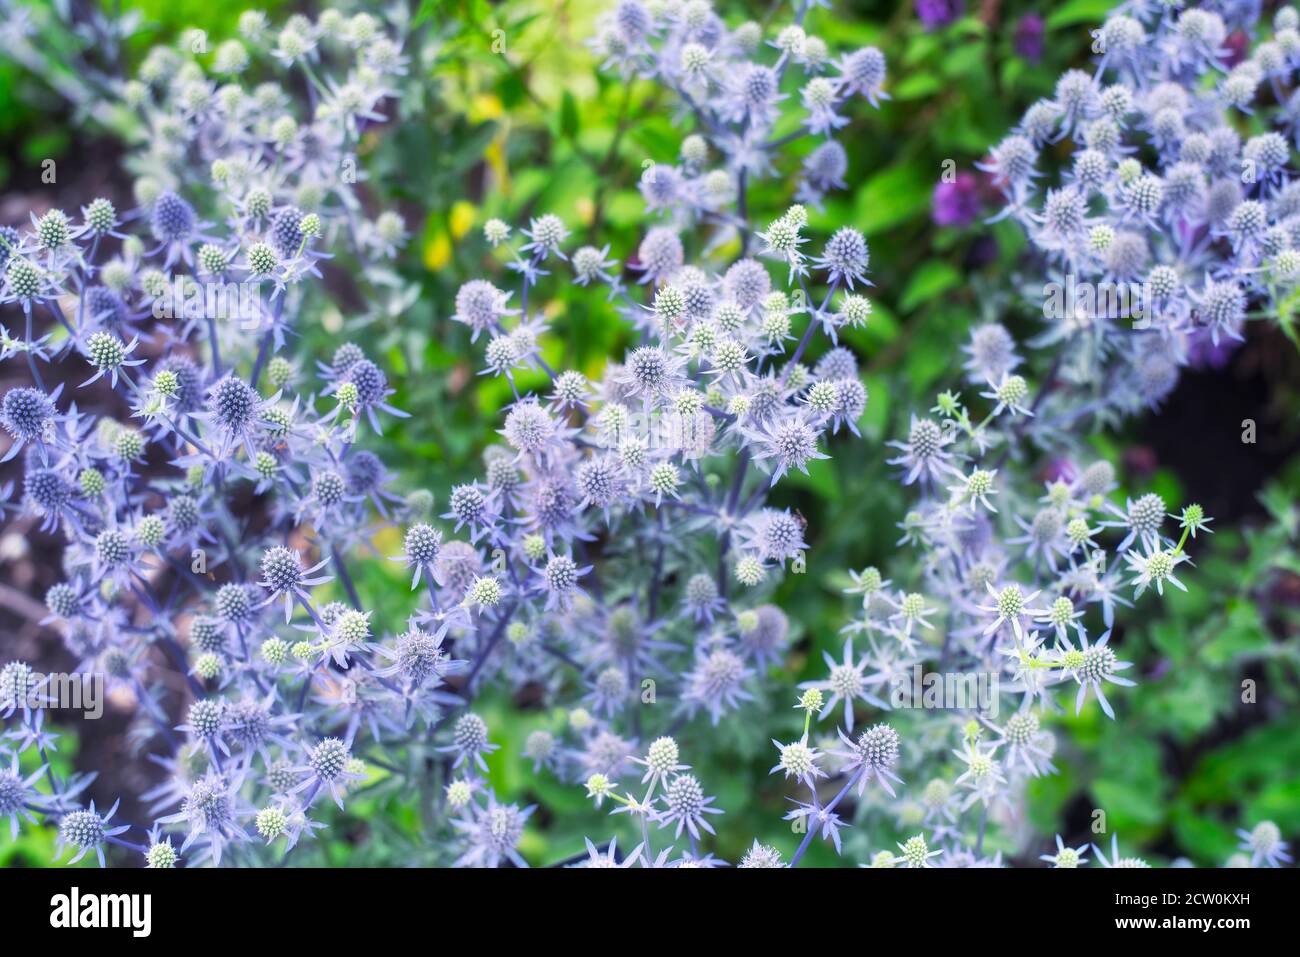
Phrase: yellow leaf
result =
(387, 540)
(485, 106)
(437, 251)
(462, 218)
(495, 154)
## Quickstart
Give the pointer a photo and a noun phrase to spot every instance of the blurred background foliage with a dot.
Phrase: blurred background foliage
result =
(505, 115)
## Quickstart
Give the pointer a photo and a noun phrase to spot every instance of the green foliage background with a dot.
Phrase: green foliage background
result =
(533, 129)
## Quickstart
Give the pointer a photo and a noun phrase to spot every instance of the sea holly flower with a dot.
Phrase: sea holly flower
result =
(492, 833)
(915, 852)
(1009, 393)
(210, 812)
(685, 805)
(1062, 615)
(924, 453)
(976, 488)
(421, 547)
(1026, 747)
(610, 857)
(1066, 857)
(1010, 606)
(86, 830)
(1155, 568)
(873, 755)
(470, 741)
(911, 614)
(983, 778)
(1092, 666)
(789, 442)
(862, 73)
(660, 761)
(160, 854)
(546, 234)
(1141, 517)
(328, 768)
(284, 576)
(1193, 519)
(481, 306)
(108, 355)
(1265, 845)
(798, 760)
(18, 795)
(620, 543)
(1115, 860)
(716, 683)
(761, 856)
(845, 258)
(848, 682)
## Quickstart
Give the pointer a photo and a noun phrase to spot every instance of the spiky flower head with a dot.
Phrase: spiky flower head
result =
(271, 822)
(470, 732)
(173, 218)
(812, 700)
(878, 746)
(1061, 612)
(205, 716)
(761, 856)
(328, 759)
(915, 852)
(599, 787)
(484, 592)
(797, 759)
(150, 530)
(661, 757)
(161, 855)
(82, 829)
(750, 571)
(281, 568)
(105, 351)
(112, 547)
(100, 216)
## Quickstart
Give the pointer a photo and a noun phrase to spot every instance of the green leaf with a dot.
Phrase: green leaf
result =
(926, 361)
(933, 278)
(897, 194)
(966, 59)
(1241, 633)
(880, 329)
(820, 479)
(917, 86)
(1079, 11)
(873, 419)
(1126, 802)
(568, 115)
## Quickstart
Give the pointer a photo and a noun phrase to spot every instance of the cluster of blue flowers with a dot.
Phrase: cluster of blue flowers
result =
(211, 464)
(629, 516)
(1019, 576)
(619, 551)
(1165, 228)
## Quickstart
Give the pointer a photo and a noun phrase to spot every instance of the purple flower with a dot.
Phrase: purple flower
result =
(1204, 353)
(935, 14)
(956, 203)
(1027, 40)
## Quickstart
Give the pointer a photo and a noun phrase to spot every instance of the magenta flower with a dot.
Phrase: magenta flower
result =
(956, 203)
